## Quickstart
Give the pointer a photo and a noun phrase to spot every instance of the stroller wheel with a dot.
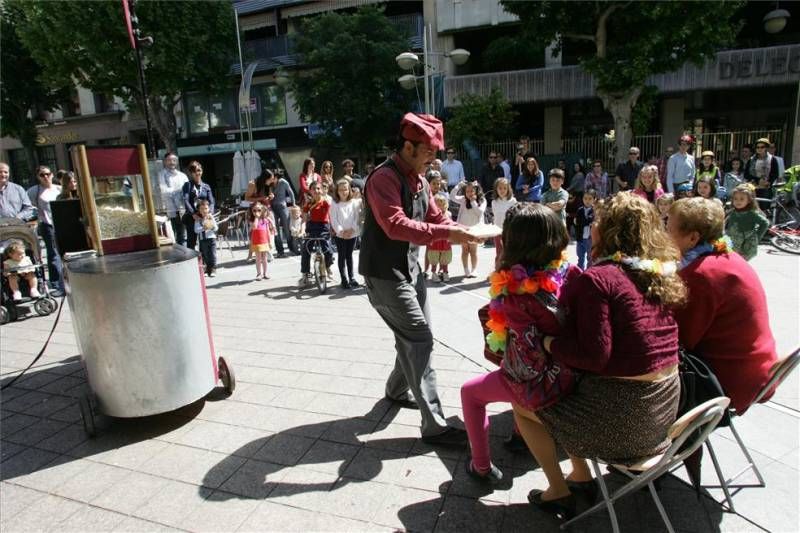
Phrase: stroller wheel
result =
(5, 315)
(45, 306)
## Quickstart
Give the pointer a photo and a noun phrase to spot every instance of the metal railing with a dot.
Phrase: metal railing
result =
(725, 142)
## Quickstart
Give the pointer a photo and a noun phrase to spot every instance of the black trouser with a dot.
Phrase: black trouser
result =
(283, 231)
(208, 251)
(316, 229)
(54, 269)
(191, 236)
(178, 230)
(344, 247)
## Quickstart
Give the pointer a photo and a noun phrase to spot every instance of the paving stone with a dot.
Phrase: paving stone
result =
(284, 449)
(172, 503)
(192, 465)
(24, 463)
(130, 493)
(14, 498)
(330, 457)
(349, 430)
(465, 514)
(223, 438)
(16, 422)
(90, 482)
(8, 449)
(269, 516)
(91, 519)
(428, 473)
(303, 488)
(360, 500)
(65, 440)
(254, 479)
(53, 474)
(37, 432)
(136, 525)
(376, 464)
(219, 512)
(45, 513)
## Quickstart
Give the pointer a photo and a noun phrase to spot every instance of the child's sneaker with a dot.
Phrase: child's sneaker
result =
(303, 281)
(445, 276)
(16, 296)
(35, 293)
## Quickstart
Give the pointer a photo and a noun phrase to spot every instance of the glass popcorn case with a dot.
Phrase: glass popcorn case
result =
(116, 198)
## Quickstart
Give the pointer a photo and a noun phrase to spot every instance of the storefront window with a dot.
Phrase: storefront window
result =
(206, 114)
(196, 112)
(270, 105)
(18, 161)
(222, 112)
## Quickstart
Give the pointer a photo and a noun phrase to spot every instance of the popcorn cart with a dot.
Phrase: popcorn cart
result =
(139, 308)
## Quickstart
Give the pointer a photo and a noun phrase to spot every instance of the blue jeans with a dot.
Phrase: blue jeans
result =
(208, 250)
(54, 268)
(584, 249)
(283, 231)
(316, 229)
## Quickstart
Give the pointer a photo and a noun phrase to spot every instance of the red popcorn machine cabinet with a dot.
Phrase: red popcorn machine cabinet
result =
(139, 305)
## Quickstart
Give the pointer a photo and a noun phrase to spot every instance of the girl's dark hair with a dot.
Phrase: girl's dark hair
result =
(306, 163)
(193, 165)
(737, 158)
(533, 236)
(478, 193)
(711, 182)
(528, 176)
(261, 181)
(250, 216)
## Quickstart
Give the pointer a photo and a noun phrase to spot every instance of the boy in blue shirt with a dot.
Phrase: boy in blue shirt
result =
(556, 197)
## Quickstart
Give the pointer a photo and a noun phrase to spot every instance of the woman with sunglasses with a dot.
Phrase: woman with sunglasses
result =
(41, 195)
(597, 180)
(195, 190)
(762, 169)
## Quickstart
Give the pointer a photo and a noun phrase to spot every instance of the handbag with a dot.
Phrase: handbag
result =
(698, 385)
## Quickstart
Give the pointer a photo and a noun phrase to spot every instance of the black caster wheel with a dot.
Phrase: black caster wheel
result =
(45, 306)
(5, 315)
(226, 376)
(87, 416)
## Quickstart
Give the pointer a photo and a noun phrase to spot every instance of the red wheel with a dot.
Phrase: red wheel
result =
(226, 376)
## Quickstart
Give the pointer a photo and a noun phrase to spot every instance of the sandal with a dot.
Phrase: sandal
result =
(563, 508)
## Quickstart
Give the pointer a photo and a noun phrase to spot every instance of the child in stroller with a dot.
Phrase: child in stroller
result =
(17, 265)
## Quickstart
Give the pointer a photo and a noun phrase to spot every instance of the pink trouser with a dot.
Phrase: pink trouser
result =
(476, 394)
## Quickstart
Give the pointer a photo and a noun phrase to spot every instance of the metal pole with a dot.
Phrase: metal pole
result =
(241, 72)
(151, 147)
(425, 72)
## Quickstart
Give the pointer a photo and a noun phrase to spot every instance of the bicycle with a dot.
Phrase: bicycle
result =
(784, 230)
(314, 248)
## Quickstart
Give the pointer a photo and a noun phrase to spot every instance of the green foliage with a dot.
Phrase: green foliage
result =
(644, 110)
(480, 119)
(512, 52)
(633, 39)
(86, 42)
(21, 89)
(349, 81)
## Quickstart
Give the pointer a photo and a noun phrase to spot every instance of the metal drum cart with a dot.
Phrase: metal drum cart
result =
(138, 302)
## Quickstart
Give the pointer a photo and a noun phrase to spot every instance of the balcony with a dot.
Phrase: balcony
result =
(275, 52)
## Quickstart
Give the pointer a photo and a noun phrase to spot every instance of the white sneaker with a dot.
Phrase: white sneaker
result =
(445, 276)
(35, 293)
(303, 281)
(16, 296)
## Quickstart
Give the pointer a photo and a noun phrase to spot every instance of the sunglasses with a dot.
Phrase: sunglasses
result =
(633, 153)
(450, 153)
(45, 174)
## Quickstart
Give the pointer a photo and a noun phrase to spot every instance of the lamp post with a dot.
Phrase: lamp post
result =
(775, 20)
(410, 60)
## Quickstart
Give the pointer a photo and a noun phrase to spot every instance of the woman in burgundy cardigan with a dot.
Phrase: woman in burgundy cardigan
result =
(622, 337)
(725, 321)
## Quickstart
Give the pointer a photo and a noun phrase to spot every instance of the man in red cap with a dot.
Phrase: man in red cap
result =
(400, 217)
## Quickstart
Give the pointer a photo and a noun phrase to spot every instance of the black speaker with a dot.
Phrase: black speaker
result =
(68, 225)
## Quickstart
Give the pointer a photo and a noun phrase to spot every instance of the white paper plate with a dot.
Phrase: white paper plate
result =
(486, 231)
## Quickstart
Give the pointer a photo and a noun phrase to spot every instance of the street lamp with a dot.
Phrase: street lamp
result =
(775, 20)
(410, 60)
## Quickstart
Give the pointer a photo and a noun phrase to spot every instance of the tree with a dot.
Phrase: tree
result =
(480, 119)
(21, 91)
(631, 40)
(86, 43)
(348, 83)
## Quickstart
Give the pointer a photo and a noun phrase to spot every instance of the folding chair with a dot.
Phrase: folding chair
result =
(687, 433)
(224, 230)
(779, 372)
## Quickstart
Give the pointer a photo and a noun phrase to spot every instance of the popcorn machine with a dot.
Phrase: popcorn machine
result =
(138, 303)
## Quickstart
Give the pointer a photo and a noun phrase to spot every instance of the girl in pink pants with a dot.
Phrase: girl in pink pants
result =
(525, 290)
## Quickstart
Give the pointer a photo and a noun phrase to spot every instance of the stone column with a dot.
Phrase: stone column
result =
(553, 129)
(672, 122)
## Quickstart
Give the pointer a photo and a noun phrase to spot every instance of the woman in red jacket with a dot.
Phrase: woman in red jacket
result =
(620, 334)
(726, 321)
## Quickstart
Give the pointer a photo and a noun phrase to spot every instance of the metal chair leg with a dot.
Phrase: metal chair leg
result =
(661, 510)
(723, 484)
(606, 496)
(751, 464)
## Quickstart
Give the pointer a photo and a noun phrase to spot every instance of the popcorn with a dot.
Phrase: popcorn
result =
(117, 222)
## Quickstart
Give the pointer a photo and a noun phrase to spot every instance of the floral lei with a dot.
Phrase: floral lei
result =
(518, 280)
(654, 266)
(723, 245)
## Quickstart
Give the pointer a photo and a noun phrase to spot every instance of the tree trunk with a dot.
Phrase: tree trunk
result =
(163, 120)
(621, 108)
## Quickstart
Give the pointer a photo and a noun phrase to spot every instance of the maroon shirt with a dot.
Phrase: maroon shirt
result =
(611, 329)
(383, 197)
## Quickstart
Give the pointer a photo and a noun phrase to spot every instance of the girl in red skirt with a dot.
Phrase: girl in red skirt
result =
(260, 236)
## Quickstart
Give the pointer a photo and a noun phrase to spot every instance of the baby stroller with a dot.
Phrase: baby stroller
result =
(12, 229)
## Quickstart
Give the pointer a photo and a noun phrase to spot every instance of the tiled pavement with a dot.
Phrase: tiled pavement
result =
(307, 444)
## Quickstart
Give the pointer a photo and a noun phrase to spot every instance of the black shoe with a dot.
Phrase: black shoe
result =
(563, 508)
(354, 284)
(344, 284)
(407, 402)
(584, 489)
(449, 437)
(281, 255)
(492, 477)
(515, 443)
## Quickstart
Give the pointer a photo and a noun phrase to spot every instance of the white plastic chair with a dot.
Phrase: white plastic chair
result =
(779, 372)
(688, 433)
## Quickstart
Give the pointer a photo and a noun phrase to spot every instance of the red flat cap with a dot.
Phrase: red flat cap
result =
(423, 128)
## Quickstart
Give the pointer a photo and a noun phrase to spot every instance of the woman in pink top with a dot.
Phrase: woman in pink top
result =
(648, 186)
(308, 178)
(621, 335)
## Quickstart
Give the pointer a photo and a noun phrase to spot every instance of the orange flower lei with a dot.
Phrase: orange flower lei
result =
(518, 280)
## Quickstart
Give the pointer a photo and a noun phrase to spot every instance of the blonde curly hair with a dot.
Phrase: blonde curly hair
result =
(629, 224)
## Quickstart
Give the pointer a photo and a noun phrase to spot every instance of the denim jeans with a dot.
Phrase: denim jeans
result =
(179, 230)
(54, 268)
(283, 231)
(208, 250)
(584, 249)
(316, 229)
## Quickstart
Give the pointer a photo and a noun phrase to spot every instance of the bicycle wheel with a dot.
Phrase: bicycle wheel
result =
(320, 273)
(786, 242)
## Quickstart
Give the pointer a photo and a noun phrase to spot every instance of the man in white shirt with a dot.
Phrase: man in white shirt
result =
(41, 195)
(680, 166)
(170, 185)
(452, 169)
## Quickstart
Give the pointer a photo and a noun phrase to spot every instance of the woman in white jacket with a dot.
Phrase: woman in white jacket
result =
(345, 215)
(471, 209)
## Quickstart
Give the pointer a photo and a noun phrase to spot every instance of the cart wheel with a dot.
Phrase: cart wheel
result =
(226, 375)
(87, 416)
(5, 316)
(321, 273)
(45, 306)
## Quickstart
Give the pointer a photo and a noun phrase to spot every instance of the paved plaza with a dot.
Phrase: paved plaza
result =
(307, 443)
